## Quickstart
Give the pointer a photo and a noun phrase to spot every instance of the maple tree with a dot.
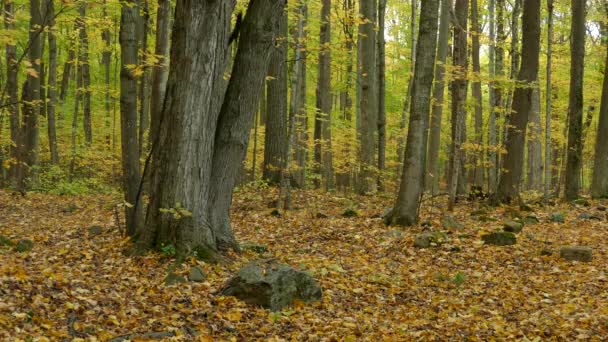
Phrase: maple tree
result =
(151, 152)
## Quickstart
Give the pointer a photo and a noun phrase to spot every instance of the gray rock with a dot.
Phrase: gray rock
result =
(350, 212)
(272, 285)
(499, 239)
(587, 216)
(557, 217)
(196, 274)
(95, 230)
(513, 227)
(601, 208)
(449, 222)
(525, 207)
(254, 247)
(546, 252)
(24, 245)
(321, 215)
(172, 279)
(424, 240)
(581, 201)
(576, 253)
(531, 219)
(394, 233)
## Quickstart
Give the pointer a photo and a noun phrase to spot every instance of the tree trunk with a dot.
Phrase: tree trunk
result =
(599, 184)
(106, 57)
(381, 94)
(412, 179)
(477, 157)
(276, 122)
(408, 96)
(144, 82)
(511, 172)
(52, 83)
(68, 67)
(298, 97)
(459, 93)
(204, 127)
(86, 76)
(12, 89)
(432, 175)
(496, 100)
(535, 150)
(128, 116)
(32, 106)
(323, 153)
(161, 70)
(514, 52)
(346, 102)
(548, 148)
(575, 103)
(368, 99)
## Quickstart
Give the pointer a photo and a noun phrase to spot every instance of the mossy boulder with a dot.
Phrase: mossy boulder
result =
(588, 216)
(172, 279)
(531, 219)
(513, 226)
(95, 230)
(449, 222)
(24, 245)
(254, 247)
(4, 241)
(557, 217)
(350, 212)
(576, 253)
(196, 274)
(499, 239)
(271, 284)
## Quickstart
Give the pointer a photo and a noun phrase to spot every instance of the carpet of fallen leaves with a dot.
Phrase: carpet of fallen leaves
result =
(377, 286)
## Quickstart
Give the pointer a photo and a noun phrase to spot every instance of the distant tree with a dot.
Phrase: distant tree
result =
(12, 91)
(52, 82)
(548, 103)
(477, 157)
(599, 185)
(381, 62)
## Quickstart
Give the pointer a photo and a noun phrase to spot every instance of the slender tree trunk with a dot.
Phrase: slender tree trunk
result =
(432, 175)
(276, 125)
(477, 157)
(497, 99)
(381, 94)
(32, 106)
(346, 102)
(408, 96)
(575, 103)
(514, 52)
(535, 159)
(459, 90)
(128, 116)
(12, 88)
(52, 83)
(67, 68)
(323, 117)
(220, 124)
(298, 97)
(511, 172)
(599, 184)
(548, 148)
(161, 70)
(368, 98)
(144, 83)
(86, 76)
(106, 58)
(412, 179)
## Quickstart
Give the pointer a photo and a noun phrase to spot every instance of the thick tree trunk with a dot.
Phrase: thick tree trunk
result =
(515, 55)
(323, 153)
(161, 71)
(535, 159)
(477, 156)
(128, 116)
(52, 83)
(32, 106)
(204, 127)
(381, 94)
(86, 76)
(368, 99)
(511, 171)
(432, 175)
(459, 93)
(575, 103)
(599, 184)
(275, 151)
(548, 148)
(298, 98)
(12, 89)
(412, 179)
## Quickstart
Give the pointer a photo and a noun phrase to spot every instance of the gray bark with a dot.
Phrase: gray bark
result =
(412, 179)
(548, 148)
(575, 103)
(12, 88)
(599, 184)
(144, 82)
(83, 64)
(381, 94)
(106, 57)
(432, 175)
(477, 155)
(52, 83)
(298, 98)
(161, 71)
(535, 159)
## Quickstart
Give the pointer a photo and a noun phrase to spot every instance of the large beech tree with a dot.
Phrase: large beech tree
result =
(205, 123)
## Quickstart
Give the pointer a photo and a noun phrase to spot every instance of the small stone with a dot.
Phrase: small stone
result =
(424, 240)
(499, 238)
(387, 215)
(449, 222)
(4, 241)
(455, 249)
(576, 253)
(24, 245)
(587, 216)
(601, 208)
(531, 219)
(196, 274)
(321, 215)
(525, 207)
(253, 247)
(394, 233)
(172, 279)
(70, 208)
(95, 230)
(275, 213)
(546, 252)
(581, 201)
(426, 224)
(557, 217)
(513, 227)
(350, 212)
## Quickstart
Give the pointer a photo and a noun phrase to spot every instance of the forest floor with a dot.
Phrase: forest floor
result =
(76, 286)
